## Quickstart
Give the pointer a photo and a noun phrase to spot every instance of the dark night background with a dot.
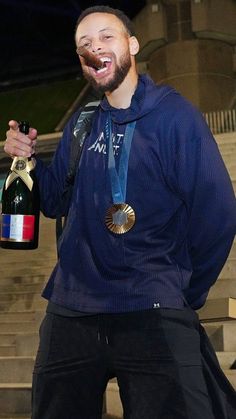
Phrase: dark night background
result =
(36, 37)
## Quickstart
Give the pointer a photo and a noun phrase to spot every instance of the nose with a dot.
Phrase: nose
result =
(96, 46)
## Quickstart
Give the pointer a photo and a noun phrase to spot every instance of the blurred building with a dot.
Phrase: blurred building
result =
(190, 44)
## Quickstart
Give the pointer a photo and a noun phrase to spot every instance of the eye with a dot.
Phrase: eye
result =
(86, 45)
(107, 37)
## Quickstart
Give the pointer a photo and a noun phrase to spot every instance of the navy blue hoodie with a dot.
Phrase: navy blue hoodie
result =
(182, 196)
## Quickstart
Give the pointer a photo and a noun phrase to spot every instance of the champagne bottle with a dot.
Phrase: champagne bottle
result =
(20, 203)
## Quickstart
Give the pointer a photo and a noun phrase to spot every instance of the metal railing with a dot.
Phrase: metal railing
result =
(221, 121)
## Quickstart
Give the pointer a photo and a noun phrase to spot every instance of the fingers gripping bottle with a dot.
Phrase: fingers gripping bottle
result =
(20, 204)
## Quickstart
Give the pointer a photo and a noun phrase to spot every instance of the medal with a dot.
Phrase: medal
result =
(120, 218)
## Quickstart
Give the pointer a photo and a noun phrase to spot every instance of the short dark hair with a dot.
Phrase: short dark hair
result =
(107, 9)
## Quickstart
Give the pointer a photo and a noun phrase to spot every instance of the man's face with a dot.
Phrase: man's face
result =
(105, 35)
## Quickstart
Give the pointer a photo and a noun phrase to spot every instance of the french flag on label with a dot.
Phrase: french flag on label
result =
(18, 227)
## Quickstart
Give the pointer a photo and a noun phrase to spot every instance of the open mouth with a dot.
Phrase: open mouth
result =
(106, 65)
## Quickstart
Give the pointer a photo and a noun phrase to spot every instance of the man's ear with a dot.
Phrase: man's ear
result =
(133, 45)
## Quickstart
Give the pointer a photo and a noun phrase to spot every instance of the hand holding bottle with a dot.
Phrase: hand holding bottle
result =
(19, 144)
(20, 196)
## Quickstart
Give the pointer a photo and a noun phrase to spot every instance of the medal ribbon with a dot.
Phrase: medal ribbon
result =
(119, 179)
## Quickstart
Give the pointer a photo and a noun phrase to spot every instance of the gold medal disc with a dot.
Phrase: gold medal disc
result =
(120, 218)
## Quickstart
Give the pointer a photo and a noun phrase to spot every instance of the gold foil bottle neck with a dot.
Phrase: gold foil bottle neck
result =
(21, 168)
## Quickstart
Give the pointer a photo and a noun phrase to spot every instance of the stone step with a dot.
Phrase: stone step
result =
(28, 287)
(16, 369)
(228, 157)
(231, 375)
(46, 243)
(222, 335)
(8, 350)
(17, 280)
(24, 326)
(34, 255)
(220, 308)
(223, 288)
(22, 268)
(227, 150)
(230, 163)
(19, 296)
(229, 270)
(7, 338)
(226, 359)
(23, 305)
(228, 137)
(223, 145)
(232, 254)
(11, 269)
(17, 316)
(231, 171)
(24, 275)
(227, 145)
(112, 400)
(27, 344)
(15, 399)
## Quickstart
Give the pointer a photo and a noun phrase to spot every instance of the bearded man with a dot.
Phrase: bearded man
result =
(151, 222)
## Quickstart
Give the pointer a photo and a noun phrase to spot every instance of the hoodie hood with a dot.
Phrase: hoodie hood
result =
(146, 97)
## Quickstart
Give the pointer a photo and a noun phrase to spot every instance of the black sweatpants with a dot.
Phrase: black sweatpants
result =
(155, 355)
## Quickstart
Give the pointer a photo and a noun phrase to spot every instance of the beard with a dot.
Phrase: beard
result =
(121, 71)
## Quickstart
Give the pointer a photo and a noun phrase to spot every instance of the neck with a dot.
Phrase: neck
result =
(122, 96)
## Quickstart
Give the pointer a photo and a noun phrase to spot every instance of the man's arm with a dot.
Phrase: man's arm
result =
(205, 186)
(51, 178)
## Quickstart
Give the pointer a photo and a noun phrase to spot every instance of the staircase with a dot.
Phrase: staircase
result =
(23, 275)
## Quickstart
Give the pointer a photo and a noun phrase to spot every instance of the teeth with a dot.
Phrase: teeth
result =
(101, 70)
(105, 59)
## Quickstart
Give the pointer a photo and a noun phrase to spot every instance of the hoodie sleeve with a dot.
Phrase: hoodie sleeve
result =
(206, 190)
(52, 178)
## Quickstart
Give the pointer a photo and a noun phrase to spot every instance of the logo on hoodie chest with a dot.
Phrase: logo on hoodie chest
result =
(99, 146)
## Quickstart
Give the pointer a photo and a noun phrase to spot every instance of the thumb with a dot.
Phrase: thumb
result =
(13, 125)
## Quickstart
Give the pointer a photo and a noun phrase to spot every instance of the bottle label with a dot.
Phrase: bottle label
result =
(17, 228)
(21, 168)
